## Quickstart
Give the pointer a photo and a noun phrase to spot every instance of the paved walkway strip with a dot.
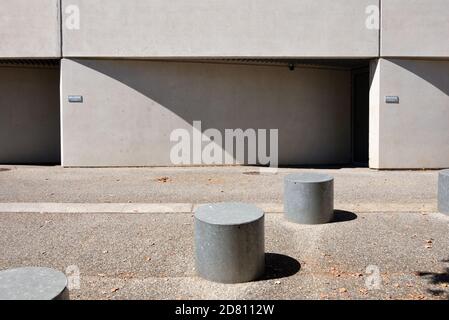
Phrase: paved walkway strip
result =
(61, 207)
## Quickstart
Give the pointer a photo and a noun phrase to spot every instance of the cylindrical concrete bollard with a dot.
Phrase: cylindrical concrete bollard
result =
(309, 198)
(33, 283)
(229, 242)
(443, 191)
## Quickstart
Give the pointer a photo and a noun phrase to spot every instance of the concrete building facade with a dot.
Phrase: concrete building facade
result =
(340, 80)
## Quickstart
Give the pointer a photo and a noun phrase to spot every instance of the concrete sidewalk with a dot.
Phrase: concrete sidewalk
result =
(390, 245)
(355, 188)
(150, 256)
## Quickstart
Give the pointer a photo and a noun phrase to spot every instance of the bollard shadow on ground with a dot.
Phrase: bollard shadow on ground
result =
(279, 266)
(343, 216)
(440, 279)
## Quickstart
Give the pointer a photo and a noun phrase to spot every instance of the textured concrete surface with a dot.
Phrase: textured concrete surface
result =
(426, 24)
(309, 198)
(412, 134)
(376, 250)
(131, 108)
(230, 242)
(233, 28)
(151, 256)
(357, 189)
(443, 192)
(30, 29)
(32, 283)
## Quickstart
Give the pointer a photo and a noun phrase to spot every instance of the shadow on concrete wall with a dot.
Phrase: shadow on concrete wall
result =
(435, 73)
(311, 110)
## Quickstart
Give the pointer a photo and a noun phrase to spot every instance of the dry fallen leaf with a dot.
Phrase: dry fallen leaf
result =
(126, 275)
(115, 290)
(363, 291)
(335, 272)
(163, 179)
(342, 290)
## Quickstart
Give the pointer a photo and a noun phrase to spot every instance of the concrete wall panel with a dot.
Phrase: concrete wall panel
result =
(131, 107)
(413, 134)
(374, 111)
(415, 28)
(29, 29)
(217, 28)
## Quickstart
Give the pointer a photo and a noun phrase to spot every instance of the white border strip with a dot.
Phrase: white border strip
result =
(44, 207)
(96, 207)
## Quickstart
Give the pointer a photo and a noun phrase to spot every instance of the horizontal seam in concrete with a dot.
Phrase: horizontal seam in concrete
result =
(142, 208)
(39, 207)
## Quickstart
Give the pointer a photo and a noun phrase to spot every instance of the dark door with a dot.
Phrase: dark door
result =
(360, 116)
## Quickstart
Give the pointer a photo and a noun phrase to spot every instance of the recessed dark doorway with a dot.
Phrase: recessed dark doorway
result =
(360, 116)
(29, 112)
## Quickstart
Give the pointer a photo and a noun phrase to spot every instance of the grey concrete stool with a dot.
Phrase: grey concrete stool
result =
(443, 191)
(33, 283)
(229, 242)
(309, 198)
